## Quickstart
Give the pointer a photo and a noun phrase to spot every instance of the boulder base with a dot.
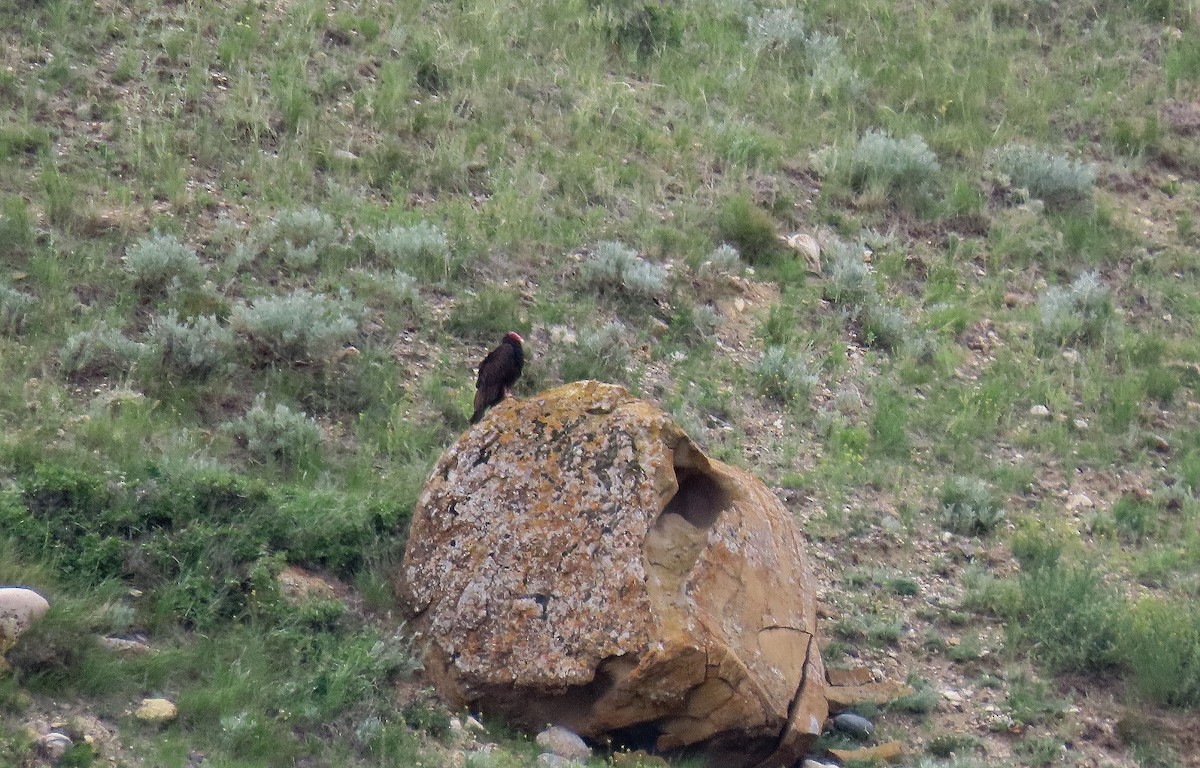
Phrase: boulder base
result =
(576, 560)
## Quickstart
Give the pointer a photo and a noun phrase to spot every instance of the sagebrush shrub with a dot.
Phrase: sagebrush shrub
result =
(831, 74)
(969, 507)
(14, 310)
(851, 282)
(785, 375)
(881, 325)
(780, 30)
(1081, 313)
(879, 160)
(1054, 179)
(300, 238)
(617, 268)
(298, 327)
(277, 435)
(421, 250)
(100, 351)
(160, 262)
(197, 348)
(598, 353)
(724, 260)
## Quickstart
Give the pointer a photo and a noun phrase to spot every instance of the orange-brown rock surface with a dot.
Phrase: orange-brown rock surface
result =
(576, 560)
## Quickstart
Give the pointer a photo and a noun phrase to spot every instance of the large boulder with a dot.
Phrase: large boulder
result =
(19, 608)
(575, 559)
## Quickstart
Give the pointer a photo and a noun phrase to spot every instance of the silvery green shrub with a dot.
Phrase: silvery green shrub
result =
(969, 507)
(160, 262)
(1052, 178)
(294, 328)
(277, 435)
(784, 375)
(198, 348)
(14, 310)
(895, 164)
(421, 250)
(614, 267)
(100, 351)
(1079, 313)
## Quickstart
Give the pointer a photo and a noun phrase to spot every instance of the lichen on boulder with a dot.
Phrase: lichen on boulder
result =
(575, 559)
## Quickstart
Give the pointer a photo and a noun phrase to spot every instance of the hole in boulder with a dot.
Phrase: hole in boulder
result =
(699, 499)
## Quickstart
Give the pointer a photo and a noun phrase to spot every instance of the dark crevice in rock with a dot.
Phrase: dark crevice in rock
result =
(797, 697)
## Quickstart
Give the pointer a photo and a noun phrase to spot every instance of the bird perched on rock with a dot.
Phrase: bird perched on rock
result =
(498, 371)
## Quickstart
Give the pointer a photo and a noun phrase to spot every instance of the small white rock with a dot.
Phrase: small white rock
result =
(1080, 424)
(1039, 412)
(952, 696)
(1079, 501)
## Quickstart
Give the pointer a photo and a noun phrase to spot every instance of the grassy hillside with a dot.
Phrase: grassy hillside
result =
(250, 253)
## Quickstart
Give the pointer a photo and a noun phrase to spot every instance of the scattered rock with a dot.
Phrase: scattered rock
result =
(121, 645)
(638, 758)
(344, 154)
(1079, 501)
(19, 608)
(887, 753)
(578, 560)
(156, 711)
(846, 696)
(564, 743)
(852, 676)
(1011, 299)
(298, 586)
(1080, 424)
(54, 745)
(848, 722)
(1040, 412)
(808, 247)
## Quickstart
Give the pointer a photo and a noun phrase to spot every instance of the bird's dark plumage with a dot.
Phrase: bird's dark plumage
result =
(498, 371)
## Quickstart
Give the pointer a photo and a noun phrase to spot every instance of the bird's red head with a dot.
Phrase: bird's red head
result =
(514, 336)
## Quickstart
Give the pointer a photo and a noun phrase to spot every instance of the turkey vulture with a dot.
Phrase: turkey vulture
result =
(498, 371)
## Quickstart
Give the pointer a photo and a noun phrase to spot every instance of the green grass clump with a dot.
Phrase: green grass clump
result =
(1161, 646)
(300, 327)
(1054, 179)
(969, 507)
(749, 229)
(490, 313)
